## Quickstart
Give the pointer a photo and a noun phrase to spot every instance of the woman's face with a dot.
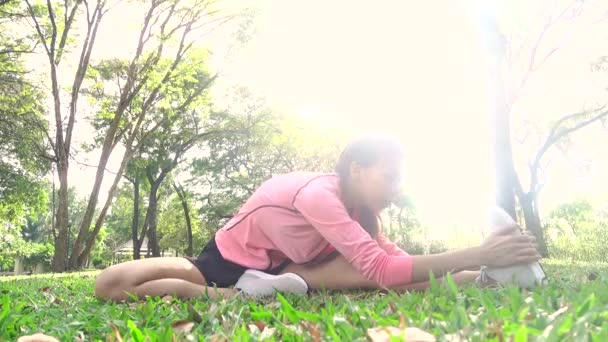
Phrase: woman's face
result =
(377, 186)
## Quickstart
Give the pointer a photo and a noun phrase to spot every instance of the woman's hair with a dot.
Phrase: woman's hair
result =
(366, 151)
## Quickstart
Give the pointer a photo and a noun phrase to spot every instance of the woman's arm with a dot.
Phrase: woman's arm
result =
(389, 247)
(325, 211)
(501, 248)
(448, 262)
(422, 264)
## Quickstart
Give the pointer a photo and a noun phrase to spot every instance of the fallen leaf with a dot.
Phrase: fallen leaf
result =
(454, 338)
(267, 333)
(51, 298)
(116, 333)
(194, 315)
(557, 313)
(261, 325)
(253, 329)
(213, 308)
(167, 299)
(384, 334)
(37, 338)
(183, 327)
(314, 333)
(496, 328)
(218, 338)
(402, 324)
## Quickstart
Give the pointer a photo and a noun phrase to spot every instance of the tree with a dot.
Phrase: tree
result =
(270, 144)
(173, 125)
(118, 222)
(22, 141)
(53, 24)
(144, 77)
(175, 228)
(184, 199)
(153, 84)
(503, 99)
(164, 22)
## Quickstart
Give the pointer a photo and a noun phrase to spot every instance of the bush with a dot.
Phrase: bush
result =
(98, 263)
(414, 248)
(576, 232)
(39, 254)
(590, 244)
(437, 246)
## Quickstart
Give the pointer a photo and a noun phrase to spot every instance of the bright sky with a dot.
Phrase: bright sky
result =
(414, 69)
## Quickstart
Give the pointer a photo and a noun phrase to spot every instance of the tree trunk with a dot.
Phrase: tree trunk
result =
(504, 176)
(500, 108)
(182, 197)
(102, 215)
(529, 207)
(85, 224)
(60, 256)
(153, 244)
(503, 154)
(18, 269)
(135, 223)
(136, 250)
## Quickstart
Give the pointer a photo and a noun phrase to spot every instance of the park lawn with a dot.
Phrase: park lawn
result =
(573, 307)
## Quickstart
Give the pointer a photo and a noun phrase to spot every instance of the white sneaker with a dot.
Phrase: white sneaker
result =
(259, 284)
(527, 275)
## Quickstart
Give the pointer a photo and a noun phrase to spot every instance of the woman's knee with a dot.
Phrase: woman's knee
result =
(112, 284)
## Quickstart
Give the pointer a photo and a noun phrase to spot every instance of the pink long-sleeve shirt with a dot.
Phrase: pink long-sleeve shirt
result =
(295, 217)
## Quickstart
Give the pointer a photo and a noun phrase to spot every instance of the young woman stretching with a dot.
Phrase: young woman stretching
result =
(309, 230)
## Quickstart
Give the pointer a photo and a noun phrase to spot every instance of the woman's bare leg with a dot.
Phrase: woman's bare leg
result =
(339, 274)
(154, 277)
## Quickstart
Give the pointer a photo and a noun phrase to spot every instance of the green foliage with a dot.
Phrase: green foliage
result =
(29, 234)
(14, 246)
(577, 231)
(268, 144)
(117, 228)
(172, 227)
(38, 253)
(23, 146)
(570, 308)
(403, 228)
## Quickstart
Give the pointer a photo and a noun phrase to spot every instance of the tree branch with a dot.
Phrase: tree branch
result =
(83, 64)
(68, 20)
(95, 166)
(54, 26)
(38, 29)
(532, 65)
(555, 134)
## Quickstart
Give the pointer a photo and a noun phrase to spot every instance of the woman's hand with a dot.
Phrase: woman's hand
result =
(506, 247)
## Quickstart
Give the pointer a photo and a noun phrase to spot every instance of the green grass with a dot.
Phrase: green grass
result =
(572, 307)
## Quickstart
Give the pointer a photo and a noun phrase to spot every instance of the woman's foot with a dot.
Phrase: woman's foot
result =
(524, 276)
(259, 284)
(485, 281)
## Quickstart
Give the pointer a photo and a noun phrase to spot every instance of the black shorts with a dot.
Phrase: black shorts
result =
(219, 271)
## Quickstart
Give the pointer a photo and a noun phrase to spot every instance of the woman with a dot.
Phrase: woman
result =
(313, 230)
